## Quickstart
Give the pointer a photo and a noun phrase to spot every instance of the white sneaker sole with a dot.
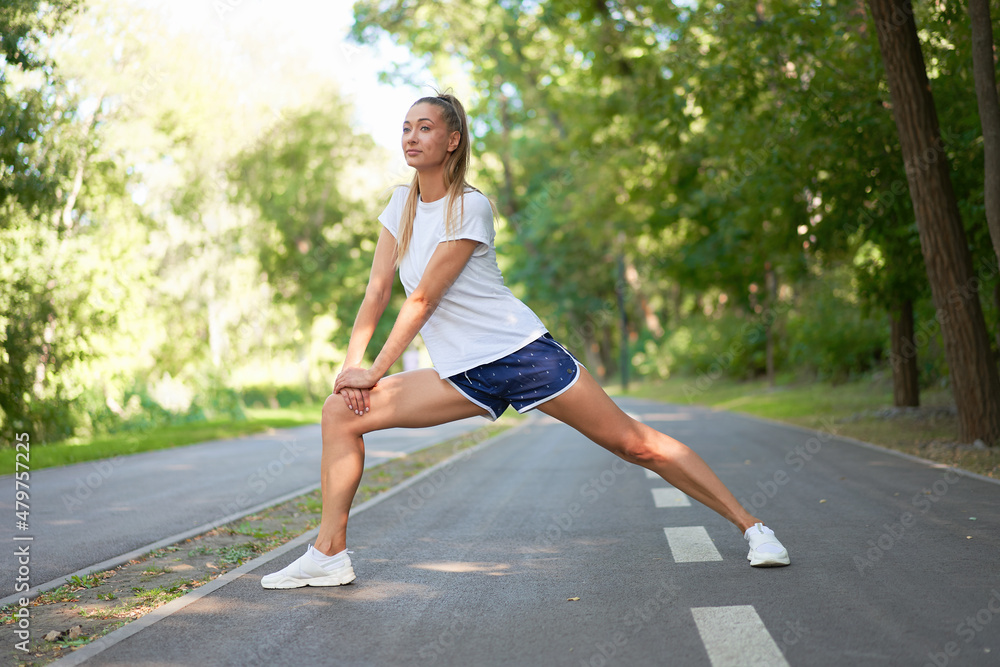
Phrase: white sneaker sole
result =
(338, 579)
(768, 560)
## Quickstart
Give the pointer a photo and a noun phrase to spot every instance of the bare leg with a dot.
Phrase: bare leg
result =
(589, 410)
(341, 466)
(413, 399)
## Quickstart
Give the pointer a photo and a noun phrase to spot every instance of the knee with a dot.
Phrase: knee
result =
(641, 447)
(335, 411)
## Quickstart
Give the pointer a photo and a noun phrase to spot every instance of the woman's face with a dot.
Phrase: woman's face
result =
(426, 139)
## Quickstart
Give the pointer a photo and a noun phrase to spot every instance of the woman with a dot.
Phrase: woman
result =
(489, 351)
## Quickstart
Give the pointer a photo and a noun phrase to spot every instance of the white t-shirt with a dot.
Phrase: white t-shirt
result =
(478, 319)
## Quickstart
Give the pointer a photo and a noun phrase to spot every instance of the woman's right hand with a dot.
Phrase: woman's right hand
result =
(357, 400)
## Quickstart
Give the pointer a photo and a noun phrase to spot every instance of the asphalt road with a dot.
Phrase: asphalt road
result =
(894, 562)
(85, 514)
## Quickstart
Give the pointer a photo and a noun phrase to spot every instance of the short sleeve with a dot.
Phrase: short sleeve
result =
(394, 211)
(477, 221)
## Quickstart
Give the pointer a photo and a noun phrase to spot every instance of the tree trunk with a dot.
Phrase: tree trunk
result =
(974, 378)
(996, 304)
(678, 299)
(606, 350)
(770, 298)
(592, 355)
(508, 205)
(905, 388)
(984, 73)
(649, 316)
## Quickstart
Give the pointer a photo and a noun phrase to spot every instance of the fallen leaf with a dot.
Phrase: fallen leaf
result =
(572, 599)
(75, 631)
(968, 537)
(823, 501)
(52, 635)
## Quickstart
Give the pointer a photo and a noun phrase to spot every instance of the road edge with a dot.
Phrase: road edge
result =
(867, 445)
(115, 561)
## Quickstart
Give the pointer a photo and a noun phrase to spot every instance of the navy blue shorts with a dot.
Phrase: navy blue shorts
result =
(538, 372)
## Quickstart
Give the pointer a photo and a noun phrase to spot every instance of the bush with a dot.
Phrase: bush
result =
(834, 337)
(219, 402)
(50, 420)
(288, 396)
(273, 397)
(726, 344)
(823, 333)
(258, 397)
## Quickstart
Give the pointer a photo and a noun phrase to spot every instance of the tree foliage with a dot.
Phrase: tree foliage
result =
(178, 223)
(133, 276)
(734, 152)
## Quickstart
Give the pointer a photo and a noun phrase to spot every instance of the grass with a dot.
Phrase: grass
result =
(861, 409)
(850, 409)
(121, 444)
(787, 401)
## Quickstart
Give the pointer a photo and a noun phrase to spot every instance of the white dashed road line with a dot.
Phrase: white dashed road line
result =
(733, 636)
(670, 497)
(736, 637)
(691, 544)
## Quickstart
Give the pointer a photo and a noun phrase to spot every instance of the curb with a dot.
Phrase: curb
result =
(91, 650)
(115, 561)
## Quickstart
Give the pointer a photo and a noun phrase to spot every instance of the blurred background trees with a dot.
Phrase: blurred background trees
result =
(748, 152)
(180, 226)
(175, 244)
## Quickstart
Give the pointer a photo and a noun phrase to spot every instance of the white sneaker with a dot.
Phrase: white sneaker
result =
(765, 549)
(305, 571)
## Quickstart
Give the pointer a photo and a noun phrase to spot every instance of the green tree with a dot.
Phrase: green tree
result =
(973, 369)
(38, 194)
(314, 242)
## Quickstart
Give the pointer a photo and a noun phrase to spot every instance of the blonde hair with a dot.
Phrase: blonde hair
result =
(455, 167)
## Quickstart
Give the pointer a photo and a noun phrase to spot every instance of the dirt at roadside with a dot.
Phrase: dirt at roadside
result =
(83, 610)
(928, 432)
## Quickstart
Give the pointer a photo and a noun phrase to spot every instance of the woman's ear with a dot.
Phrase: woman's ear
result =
(454, 140)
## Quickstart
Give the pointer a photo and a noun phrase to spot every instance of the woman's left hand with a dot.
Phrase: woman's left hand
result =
(355, 378)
